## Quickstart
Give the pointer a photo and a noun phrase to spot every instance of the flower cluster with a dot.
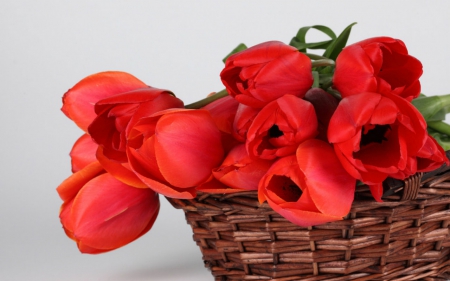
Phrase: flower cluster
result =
(302, 130)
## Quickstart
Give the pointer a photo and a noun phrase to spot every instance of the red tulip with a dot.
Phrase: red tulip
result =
(377, 65)
(307, 190)
(79, 101)
(175, 150)
(101, 213)
(117, 114)
(240, 171)
(265, 72)
(280, 127)
(376, 136)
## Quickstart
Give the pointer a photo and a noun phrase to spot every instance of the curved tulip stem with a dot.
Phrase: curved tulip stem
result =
(207, 100)
(326, 80)
(315, 57)
(440, 126)
(323, 62)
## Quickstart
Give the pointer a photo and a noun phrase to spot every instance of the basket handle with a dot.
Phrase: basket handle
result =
(410, 187)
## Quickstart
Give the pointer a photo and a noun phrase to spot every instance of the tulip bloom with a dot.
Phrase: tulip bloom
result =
(175, 150)
(117, 114)
(306, 189)
(240, 171)
(280, 127)
(265, 72)
(101, 213)
(377, 136)
(79, 101)
(377, 65)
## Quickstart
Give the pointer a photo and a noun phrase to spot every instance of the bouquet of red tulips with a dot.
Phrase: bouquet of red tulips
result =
(300, 128)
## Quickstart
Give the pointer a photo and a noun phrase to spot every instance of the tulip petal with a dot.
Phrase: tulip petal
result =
(281, 181)
(79, 101)
(108, 214)
(431, 156)
(243, 119)
(352, 113)
(239, 170)
(66, 219)
(85, 249)
(261, 53)
(69, 188)
(83, 153)
(377, 191)
(361, 77)
(215, 186)
(143, 160)
(302, 217)
(290, 73)
(326, 178)
(280, 126)
(187, 147)
(120, 171)
(165, 189)
(223, 112)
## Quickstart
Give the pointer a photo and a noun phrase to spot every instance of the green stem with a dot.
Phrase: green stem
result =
(315, 57)
(440, 126)
(208, 100)
(323, 62)
(316, 77)
(326, 80)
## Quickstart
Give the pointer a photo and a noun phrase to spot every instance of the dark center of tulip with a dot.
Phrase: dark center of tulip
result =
(374, 134)
(274, 132)
(245, 84)
(285, 188)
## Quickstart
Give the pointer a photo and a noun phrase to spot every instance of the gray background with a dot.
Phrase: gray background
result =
(48, 46)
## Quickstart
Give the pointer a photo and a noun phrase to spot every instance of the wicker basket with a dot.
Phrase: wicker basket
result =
(406, 237)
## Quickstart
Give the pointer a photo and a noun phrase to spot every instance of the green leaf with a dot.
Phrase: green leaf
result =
(442, 139)
(239, 48)
(338, 44)
(439, 116)
(303, 46)
(316, 82)
(299, 41)
(326, 80)
(433, 108)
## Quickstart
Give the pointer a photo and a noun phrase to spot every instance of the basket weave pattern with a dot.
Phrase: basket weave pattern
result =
(406, 237)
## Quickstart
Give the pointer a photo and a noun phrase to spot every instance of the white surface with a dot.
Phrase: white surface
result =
(48, 46)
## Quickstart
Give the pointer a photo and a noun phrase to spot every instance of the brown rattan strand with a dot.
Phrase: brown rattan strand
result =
(406, 237)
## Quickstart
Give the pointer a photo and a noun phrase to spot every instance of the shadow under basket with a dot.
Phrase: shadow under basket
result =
(405, 237)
